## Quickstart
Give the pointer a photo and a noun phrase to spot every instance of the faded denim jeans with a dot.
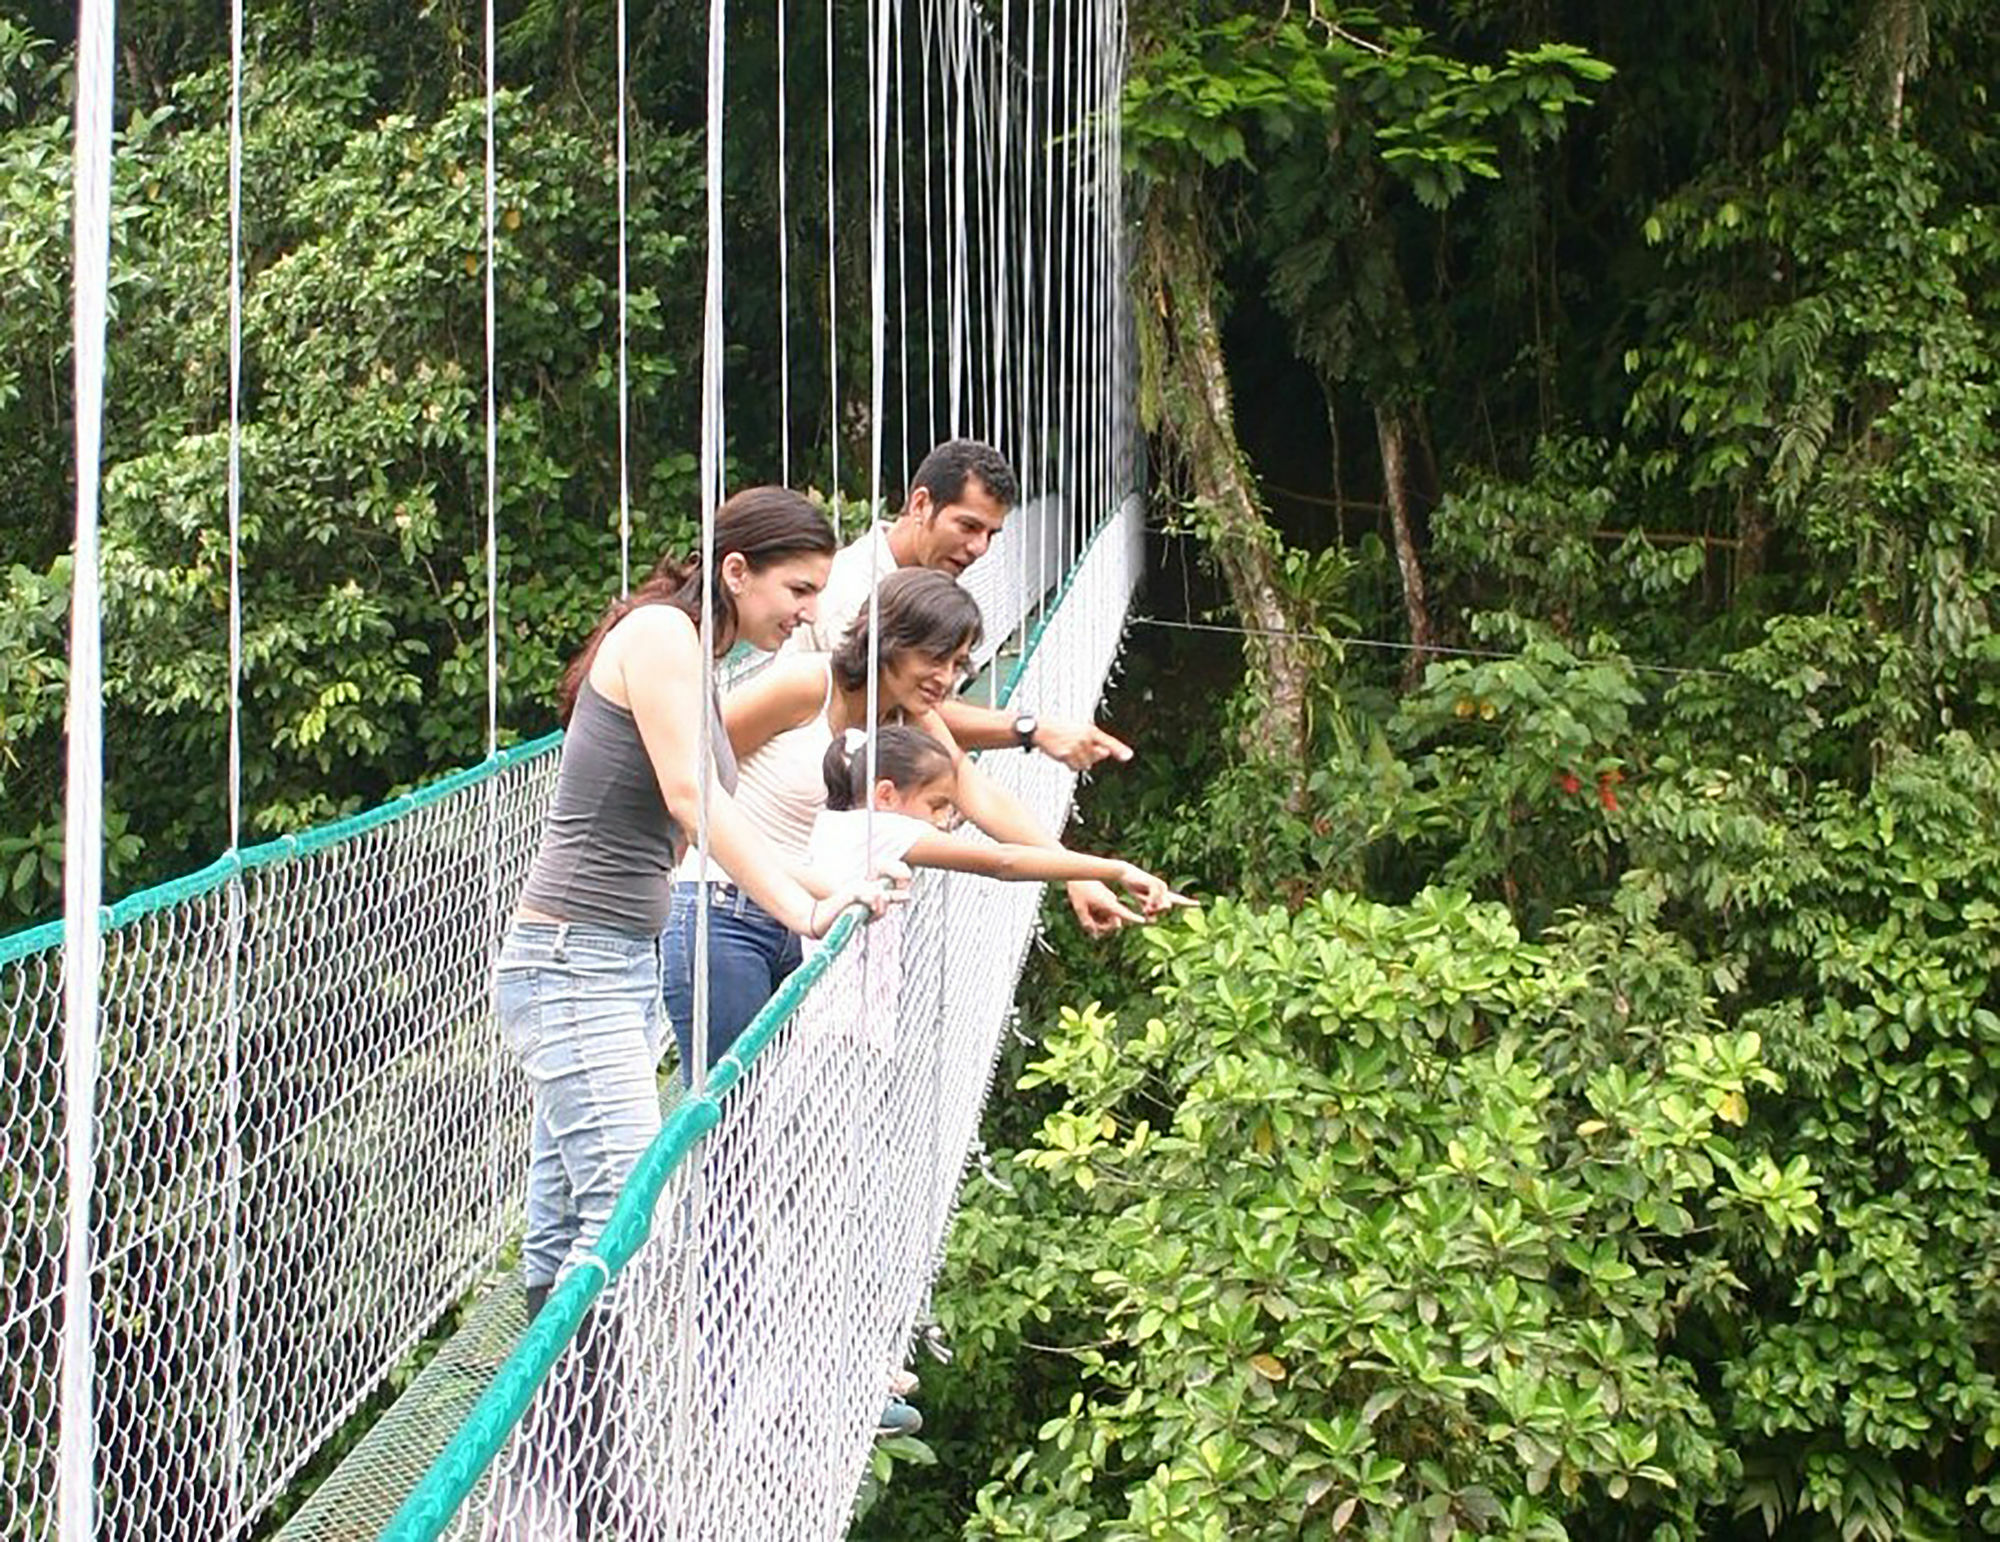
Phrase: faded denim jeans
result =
(580, 1006)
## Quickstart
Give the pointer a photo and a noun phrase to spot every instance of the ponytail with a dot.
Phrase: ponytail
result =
(906, 757)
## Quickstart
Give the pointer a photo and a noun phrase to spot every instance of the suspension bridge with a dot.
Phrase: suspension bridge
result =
(260, 1132)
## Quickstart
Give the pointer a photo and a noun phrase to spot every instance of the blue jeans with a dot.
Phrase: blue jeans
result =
(749, 954)
(580, 1006)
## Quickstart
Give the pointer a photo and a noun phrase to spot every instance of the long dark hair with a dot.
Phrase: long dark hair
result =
(921, 611)
(762, 524)
(907, 757)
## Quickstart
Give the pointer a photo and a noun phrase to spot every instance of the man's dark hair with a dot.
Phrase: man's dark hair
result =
(944, 471)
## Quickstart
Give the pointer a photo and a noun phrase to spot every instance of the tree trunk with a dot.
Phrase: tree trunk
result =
(1390, 434)
(1753, 535)
(1900, 28)
(1186, 400)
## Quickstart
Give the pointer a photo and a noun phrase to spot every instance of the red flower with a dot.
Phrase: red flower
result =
(1607, 790)
(1567, 781)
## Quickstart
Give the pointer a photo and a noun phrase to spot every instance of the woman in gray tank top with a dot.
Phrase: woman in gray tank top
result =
(578, 983)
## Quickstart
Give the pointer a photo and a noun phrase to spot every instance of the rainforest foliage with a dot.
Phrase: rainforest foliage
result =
(1573, 1113)
(1580, 1120)
(363, 546)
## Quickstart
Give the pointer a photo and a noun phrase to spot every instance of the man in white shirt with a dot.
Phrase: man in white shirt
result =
(959, 500)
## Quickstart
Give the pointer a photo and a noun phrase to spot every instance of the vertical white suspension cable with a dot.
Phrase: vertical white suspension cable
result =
(235, 462)
(1114, 274)
(878, 328)
(711, 499)
(232, 1070)
(878, 255)
(1030, 344)
(1045, 337)
(1004, 434)
(1066, 265)
(686, 1401)
(960, 31)
(1111, 275)
(1024, 236)
(1108, 272)
(926, 38)
(1127, 407)
(1078, 289)
(1004, 242)
(1080, 316)
(1094, 272)
(899, 73)
(981, 355)
(784, 273)
(832, 282)
(83, 814)
(624, 340)
(492, 407)
(499, 1132)
(979, 270)
(978, 155)
(1094, 277)
(1128, 471)
(997, 256)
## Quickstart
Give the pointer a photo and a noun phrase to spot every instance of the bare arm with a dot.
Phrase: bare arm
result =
(1010, 861)
(784, 695)
(1077, 745)
(984, 801)
(656, 670)
(1016, 863)
(1004, 817)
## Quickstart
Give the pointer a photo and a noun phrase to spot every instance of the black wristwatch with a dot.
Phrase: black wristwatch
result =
(1025, 725)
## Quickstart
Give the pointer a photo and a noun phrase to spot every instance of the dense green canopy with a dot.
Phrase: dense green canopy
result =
(1579, 1121)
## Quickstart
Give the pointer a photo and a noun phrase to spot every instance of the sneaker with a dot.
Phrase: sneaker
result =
(897, 1418)
(902, 1383)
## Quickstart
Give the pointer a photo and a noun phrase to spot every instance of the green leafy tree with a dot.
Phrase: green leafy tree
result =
(1383, 1224)
(363, 539)
(1340, 118)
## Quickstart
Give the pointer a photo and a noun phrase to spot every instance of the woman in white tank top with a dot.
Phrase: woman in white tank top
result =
(780, 724)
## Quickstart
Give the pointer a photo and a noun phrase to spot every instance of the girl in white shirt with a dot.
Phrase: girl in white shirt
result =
(910, 812)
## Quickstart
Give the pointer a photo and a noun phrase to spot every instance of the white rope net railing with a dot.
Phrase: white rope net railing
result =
(383, 1124)
(309, 1139)
(239, 1323)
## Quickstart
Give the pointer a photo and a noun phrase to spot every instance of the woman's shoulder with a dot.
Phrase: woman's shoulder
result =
(656, 633)
(655, 623)
(792, 683)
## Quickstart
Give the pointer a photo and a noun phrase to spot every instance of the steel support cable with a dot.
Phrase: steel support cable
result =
(83, 797)
(832, 281)
(959, 219)
(624, 336)
(784, 262)
(234, 1433)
